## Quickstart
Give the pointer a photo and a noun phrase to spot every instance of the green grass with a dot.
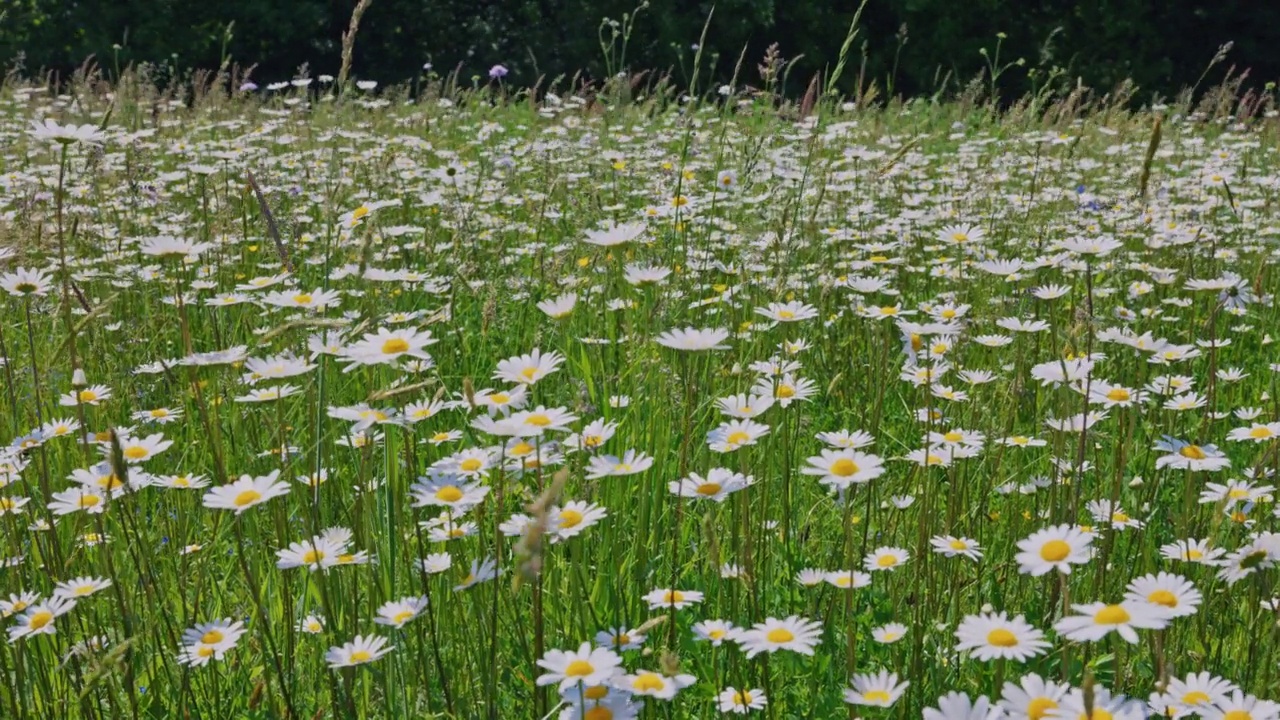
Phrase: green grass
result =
(492, 205)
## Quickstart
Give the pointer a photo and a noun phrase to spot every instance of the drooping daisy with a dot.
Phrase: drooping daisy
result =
(481, 571)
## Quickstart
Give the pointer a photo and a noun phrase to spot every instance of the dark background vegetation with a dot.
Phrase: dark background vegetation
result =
(912, 47)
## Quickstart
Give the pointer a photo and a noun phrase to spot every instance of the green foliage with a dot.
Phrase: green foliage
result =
(911, 46)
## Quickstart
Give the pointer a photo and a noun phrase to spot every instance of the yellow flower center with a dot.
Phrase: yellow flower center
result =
(528, 373)
(302, 299)
(1039, 707)
(402, 617)
(786, 391)
(716, 634)
(40, 619)
(738, 437)
(596, 692)
(1260, 432)
(876, 696)
(500, 398)
(449, 494)
(1055, 551)
(1195, 697)
(599, 712)
(470, 465)
(1193, 452)
(1111, 615)
(780, 635)
(538, 420)
(360, 656)
(844, 467)
(570, 518)
(708, 488)
(1118, 395)
(953, 437)
(886, 561)
(392, 347)
(248, 497)
(785, 315)
(159, 413)
(647, 681)
(135, 452)
(205, 651)
(440, 437)
(313, 556)
(958, 545)
(88, 396)
(88, 501)
(672, 597)
(742, 698)
(212, 637)
(1098, 714)
(1001, 637)
(1237, 715)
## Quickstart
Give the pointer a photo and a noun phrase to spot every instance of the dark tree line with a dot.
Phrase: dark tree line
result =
(908, 47)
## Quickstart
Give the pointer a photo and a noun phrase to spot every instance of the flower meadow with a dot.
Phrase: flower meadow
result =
(504, 405)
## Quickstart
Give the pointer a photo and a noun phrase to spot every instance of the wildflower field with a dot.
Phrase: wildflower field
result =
(496, 405)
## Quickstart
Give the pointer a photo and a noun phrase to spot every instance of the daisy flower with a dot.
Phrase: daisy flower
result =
(678, 599)
(1054, 548)
(359, 651)
(741, 702)
(715, 631)
(1031, 698)
(793, 633)
(958, 706)
(991, 636)
(245, 492)
(651, 684)
(951, 546)
(842, 468)
(881, 689)
(1096, 620)
(1175, 594)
